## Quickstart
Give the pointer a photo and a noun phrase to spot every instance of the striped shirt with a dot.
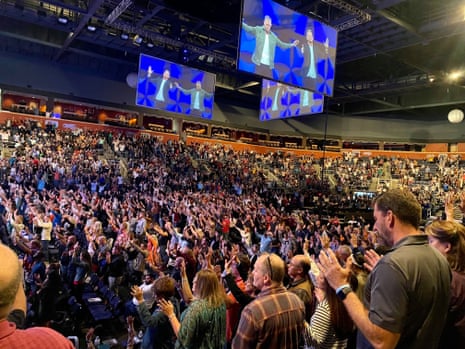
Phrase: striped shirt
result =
(320, 333)
(274, 320)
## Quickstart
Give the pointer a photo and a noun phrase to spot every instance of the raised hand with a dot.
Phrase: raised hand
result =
(334, 273)
(371, 259)
(136, 292)
(166, 307)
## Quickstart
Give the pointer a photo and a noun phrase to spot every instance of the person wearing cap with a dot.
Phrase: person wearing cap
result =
(12, 296)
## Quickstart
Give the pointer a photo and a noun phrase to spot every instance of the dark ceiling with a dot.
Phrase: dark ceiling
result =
(395, 58)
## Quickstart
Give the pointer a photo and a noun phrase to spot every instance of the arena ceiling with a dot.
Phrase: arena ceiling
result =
(395, 58)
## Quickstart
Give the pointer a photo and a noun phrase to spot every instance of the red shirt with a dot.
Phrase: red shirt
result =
(34, 337)
(225, 225)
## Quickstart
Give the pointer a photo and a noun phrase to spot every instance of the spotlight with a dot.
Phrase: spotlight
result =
(124, 36)
(150, 44)
(184, 55)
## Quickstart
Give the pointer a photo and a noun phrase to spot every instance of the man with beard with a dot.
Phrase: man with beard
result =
(408, 290)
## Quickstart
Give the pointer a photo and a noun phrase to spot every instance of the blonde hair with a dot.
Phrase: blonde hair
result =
(209, 288)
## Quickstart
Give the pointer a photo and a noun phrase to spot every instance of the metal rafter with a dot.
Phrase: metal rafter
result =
(119, 9)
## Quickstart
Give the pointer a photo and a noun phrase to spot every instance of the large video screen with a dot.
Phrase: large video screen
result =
(280, 44)
(280, 101)
(174, 87)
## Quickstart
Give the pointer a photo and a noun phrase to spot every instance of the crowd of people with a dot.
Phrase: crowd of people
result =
(212, 248)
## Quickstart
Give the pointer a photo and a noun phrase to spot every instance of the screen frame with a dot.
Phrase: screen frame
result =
(292, 97)
(179, 96)
(293, 74)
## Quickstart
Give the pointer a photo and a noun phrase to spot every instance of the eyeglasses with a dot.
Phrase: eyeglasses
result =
(268, 259)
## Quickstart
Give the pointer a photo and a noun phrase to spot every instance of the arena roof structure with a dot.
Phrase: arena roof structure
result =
(395, 58)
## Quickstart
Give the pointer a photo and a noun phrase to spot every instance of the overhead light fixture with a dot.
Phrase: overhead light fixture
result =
(124, 36)
(455, 116)
(455, 75)
(91, 27)
(62, 18)
(210, 59)
(137, 40)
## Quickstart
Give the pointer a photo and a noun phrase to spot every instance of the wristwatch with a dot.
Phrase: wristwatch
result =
(343, 291)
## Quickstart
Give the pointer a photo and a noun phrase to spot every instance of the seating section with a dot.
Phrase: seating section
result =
(101, 302)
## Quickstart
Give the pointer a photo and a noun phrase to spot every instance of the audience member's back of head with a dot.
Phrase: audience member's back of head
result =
(10, 279)
(164, 287)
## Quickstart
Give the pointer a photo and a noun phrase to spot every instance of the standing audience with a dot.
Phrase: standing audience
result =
(57, 180)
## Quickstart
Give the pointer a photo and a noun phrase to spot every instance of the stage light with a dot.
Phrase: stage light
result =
(124, 36)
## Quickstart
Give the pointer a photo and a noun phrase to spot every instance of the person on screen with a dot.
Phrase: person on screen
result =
(271, 100)
(276, 93)
(265, 43)
(312, 53)
(163, 86)
(146, 88)
(306, 101)
(197, 96)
